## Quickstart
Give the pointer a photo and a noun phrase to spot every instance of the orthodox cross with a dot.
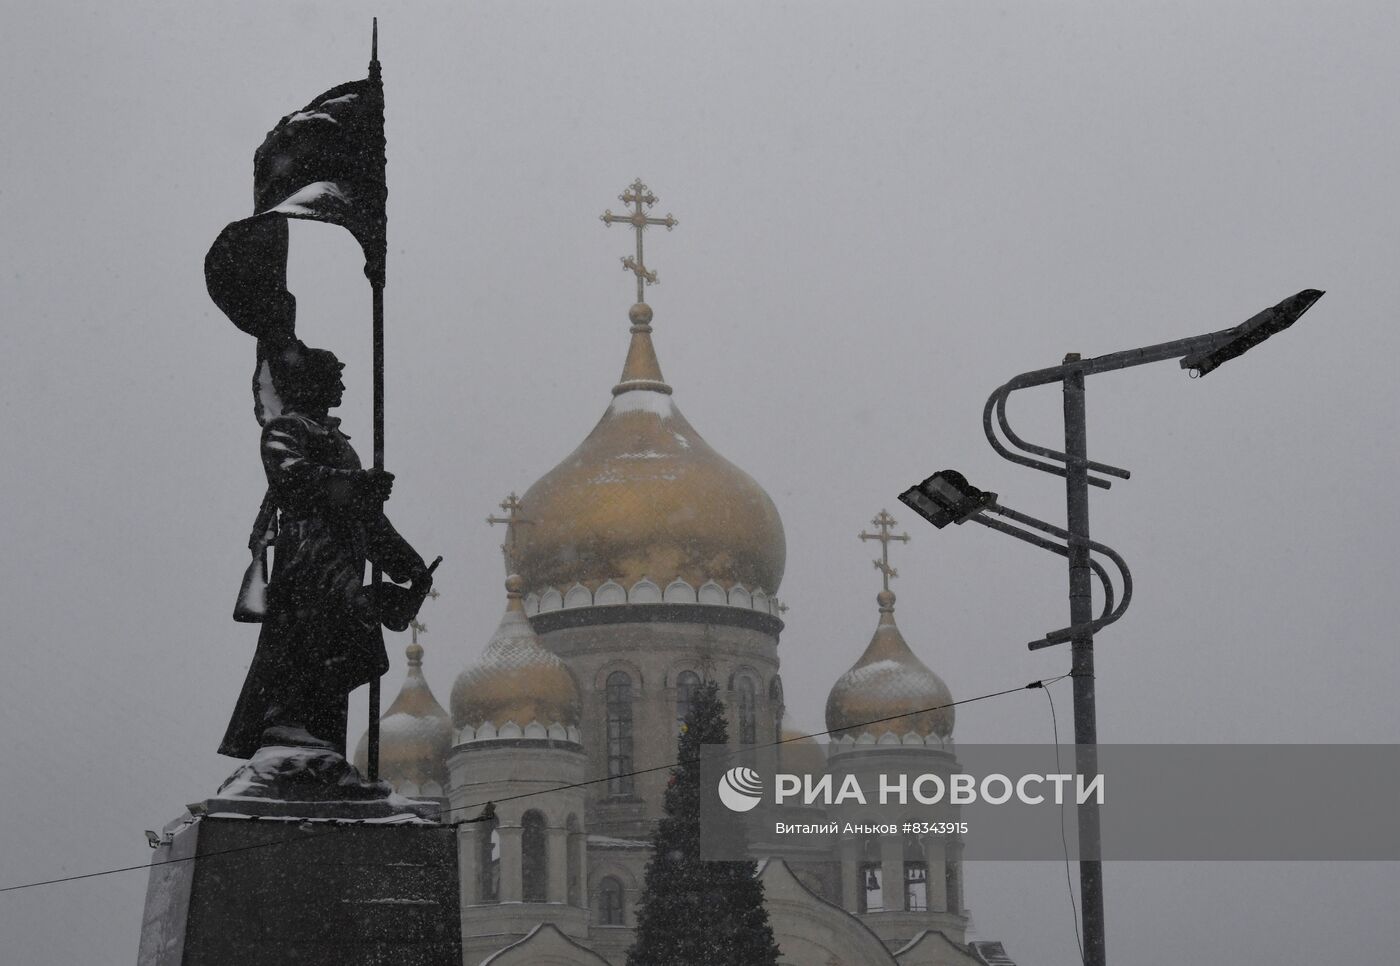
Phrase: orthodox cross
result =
(415, 625)
(884, 521)
(639, 196)
(511, 505)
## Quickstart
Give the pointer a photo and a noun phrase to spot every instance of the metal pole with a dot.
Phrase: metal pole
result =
(1082, 666)
(375, 571)
(375, 269)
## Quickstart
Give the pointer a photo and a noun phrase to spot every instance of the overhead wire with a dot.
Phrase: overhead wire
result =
(336, 825)
(742, 750)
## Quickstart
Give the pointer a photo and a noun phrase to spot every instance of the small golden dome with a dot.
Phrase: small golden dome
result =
(645, 496)
(517, 679)
(887, 681)
(800, 753)
(415, 734)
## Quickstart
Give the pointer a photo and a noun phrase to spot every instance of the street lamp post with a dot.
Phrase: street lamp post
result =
(947, 497)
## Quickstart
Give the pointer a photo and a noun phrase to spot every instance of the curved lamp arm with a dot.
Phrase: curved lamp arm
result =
(1108, 616)
(1110, 613)
(1006, 454)
(1054, 454)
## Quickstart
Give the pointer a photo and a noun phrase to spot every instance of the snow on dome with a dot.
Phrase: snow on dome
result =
(415, 733)
(517, 681)
(645, 496)
(889, 682)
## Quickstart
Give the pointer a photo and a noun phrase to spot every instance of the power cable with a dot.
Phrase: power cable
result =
(742, 750)
(337, 824)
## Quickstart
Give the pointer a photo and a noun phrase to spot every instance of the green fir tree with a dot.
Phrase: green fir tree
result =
(696, 913)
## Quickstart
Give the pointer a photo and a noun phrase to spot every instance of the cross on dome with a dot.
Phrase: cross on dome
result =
(512, 506)
(418, 627)
(884, 522)
(639, 196)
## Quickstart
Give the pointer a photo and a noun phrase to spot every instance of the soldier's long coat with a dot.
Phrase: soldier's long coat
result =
(320, 637)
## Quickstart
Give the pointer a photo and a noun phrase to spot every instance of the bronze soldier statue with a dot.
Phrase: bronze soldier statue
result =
(321, 634)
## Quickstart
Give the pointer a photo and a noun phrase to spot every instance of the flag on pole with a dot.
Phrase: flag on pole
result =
(324, 163)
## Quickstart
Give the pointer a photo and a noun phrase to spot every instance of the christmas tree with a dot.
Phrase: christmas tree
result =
(696, 913)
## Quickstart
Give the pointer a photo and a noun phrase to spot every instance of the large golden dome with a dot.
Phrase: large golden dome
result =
(645, 496)
(517, 679)
(415, 734)
(889, 681)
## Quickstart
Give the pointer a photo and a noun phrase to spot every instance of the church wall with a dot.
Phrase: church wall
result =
(487, 771)
(498, 771)
(895, 924)
(812, 932)
(652, 653)
(544, 946)
(933, 948)
(611, 943)
(626, 863)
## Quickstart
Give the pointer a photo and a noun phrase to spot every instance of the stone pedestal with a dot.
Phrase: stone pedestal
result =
(306, 889)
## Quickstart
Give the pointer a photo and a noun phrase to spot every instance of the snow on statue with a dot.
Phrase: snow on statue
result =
(320, 634)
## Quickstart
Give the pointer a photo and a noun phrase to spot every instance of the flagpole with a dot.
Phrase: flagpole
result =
(376, 281)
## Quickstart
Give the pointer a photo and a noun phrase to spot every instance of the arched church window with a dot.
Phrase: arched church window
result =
(915, 875)
(488, 863)
(619, 701)
(916, 886)
(687, 684)
(610, 902)
(748, 714)
(534, 863)
(871, 892)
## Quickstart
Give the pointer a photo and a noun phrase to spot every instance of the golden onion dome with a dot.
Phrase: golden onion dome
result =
(645, 496)
(517, 679)
(889, 682)
(799, 752)
(415, 733)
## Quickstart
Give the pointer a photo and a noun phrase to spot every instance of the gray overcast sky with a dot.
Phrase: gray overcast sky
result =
(886, 210)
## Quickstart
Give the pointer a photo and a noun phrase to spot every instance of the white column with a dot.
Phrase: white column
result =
(955, 883)
(851, 885)
(557, 861)
(936, 855)
(510, 862)
(579, 843)
(892, 872)
(468, 861)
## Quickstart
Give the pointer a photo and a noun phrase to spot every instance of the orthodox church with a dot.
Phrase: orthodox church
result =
(642, 565)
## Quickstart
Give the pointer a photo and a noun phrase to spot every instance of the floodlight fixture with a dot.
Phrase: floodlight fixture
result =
(925, 507)
(946, 497)
(1251, 332)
